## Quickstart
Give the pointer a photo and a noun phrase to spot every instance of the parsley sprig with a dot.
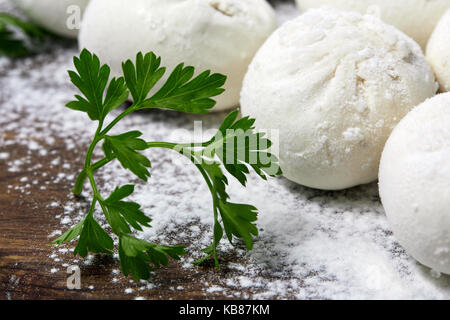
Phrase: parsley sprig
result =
(235, 147)
(17, 37)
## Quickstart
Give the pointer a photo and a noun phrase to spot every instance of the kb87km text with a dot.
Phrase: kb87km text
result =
(228, 309)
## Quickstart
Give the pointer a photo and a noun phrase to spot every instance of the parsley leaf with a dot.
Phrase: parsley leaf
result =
(180, 93)
(237, 220)
(124, 147)
(121, 214)
(238, 145)
(218, 179)
(135, 256)
(93, 239)
(92, 79)
(116, 95)
(10, 44)
(142, 77)
(70, 235)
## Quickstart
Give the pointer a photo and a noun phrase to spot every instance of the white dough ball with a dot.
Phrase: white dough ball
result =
(217, 35)
(438, 52)
(417, 18)
(334, 84)
(415, 182)
(62, 17)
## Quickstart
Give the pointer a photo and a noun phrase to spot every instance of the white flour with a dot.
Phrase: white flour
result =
(312, 244)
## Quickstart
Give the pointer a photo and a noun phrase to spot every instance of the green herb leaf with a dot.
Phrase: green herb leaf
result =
(93, 239)
(28, 28)
(92, 79)
(121, 214)
(238, 146)
(136, 256)
(182, 93)
(70, 235)
(124, 147)
(142, 78)
(10, 44)
(237, 220)
(116, 95)
(218, 179)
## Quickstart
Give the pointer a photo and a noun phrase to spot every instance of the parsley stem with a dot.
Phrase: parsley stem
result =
(215, 200)
(116, 120)
(87, 164)
(191, 156)
(94, 186)
(164, 145)
(97, 139)
(82, 176)
(101, 163)
(78, 188)
(196, 145)
(92, 208)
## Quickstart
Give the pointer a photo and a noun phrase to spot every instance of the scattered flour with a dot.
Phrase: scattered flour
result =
(215, 289)
(55, 234)
(4, 155)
